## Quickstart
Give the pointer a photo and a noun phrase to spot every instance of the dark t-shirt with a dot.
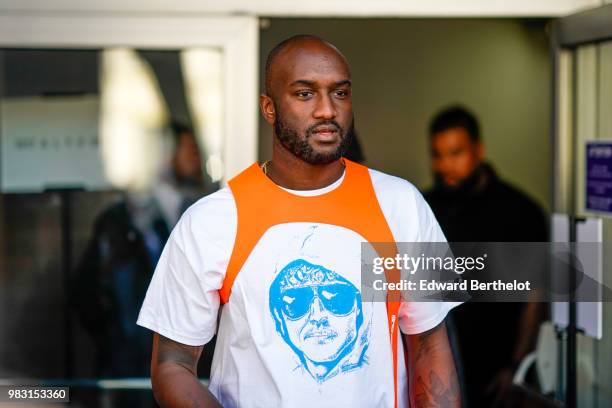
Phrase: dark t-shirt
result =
(486, 209)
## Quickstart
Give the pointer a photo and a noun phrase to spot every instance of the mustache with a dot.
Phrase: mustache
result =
(331, 123)
(327, 334)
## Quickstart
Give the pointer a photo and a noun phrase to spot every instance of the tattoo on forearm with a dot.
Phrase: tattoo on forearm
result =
(425, 346)
(435, 381)
(434, 393)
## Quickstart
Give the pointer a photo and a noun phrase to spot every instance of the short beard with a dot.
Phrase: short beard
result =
(289, 138)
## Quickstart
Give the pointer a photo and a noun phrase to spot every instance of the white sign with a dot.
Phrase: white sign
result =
(589, 315)
(50, 142)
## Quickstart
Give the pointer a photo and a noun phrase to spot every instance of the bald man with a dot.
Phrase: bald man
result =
(280, 249)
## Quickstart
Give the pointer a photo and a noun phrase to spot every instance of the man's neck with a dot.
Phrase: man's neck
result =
(288, 171)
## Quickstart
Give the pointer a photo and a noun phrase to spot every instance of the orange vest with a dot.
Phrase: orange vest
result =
(262, 204)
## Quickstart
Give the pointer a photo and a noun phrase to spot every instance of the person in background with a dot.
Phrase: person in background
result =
(183, 183)
(473, 204)
(114, 272)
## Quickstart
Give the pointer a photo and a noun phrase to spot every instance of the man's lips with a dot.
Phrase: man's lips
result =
(326, 133)
(325, 129)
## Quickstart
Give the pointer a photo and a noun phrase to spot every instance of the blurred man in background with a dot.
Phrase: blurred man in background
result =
(183, 183)
(472, 204)
(117, 265)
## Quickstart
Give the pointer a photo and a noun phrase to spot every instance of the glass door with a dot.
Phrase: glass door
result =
(110, 126)
(582, 52)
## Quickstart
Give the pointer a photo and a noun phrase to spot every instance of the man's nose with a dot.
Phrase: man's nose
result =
(318, 315)
(444, 164)
(325, 108)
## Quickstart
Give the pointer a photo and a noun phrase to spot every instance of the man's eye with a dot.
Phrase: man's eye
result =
(342, 93)
(304, 94)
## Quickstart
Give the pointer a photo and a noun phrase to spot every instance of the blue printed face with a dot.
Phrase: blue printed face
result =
(317, 311)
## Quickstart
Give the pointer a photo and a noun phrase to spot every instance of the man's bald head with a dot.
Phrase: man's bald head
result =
(308, 100)
(281, 55)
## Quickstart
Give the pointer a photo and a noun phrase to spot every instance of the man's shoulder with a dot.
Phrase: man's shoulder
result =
(512, 194)
(405, 209)
(523, 212)
(430, 194)
(388, 186)
(215, 209)
(219, 199)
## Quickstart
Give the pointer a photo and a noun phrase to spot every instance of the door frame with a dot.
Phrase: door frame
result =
(591, 26)
(236, 36)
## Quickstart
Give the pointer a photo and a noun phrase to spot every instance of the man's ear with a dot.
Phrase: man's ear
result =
(266, 105)
(480, 151)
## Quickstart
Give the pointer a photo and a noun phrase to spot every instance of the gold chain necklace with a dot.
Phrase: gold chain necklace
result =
(264, 167)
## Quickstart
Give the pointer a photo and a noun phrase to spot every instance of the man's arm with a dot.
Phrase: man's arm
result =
(174, 375)
(532, 315)
(432, 376)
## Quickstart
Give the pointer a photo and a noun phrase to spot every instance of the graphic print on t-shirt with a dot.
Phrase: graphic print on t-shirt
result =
(319, 314)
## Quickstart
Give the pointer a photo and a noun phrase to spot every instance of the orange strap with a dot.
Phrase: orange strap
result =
(261, 204)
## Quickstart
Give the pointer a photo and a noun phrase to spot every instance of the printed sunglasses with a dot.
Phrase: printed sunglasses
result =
(337, 298)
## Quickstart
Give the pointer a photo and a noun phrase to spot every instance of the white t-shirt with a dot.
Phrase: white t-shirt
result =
(319, 344)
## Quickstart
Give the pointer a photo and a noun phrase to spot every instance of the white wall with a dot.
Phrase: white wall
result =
(388, 8)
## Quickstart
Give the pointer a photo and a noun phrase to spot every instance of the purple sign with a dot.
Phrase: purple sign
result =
(599, 176)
